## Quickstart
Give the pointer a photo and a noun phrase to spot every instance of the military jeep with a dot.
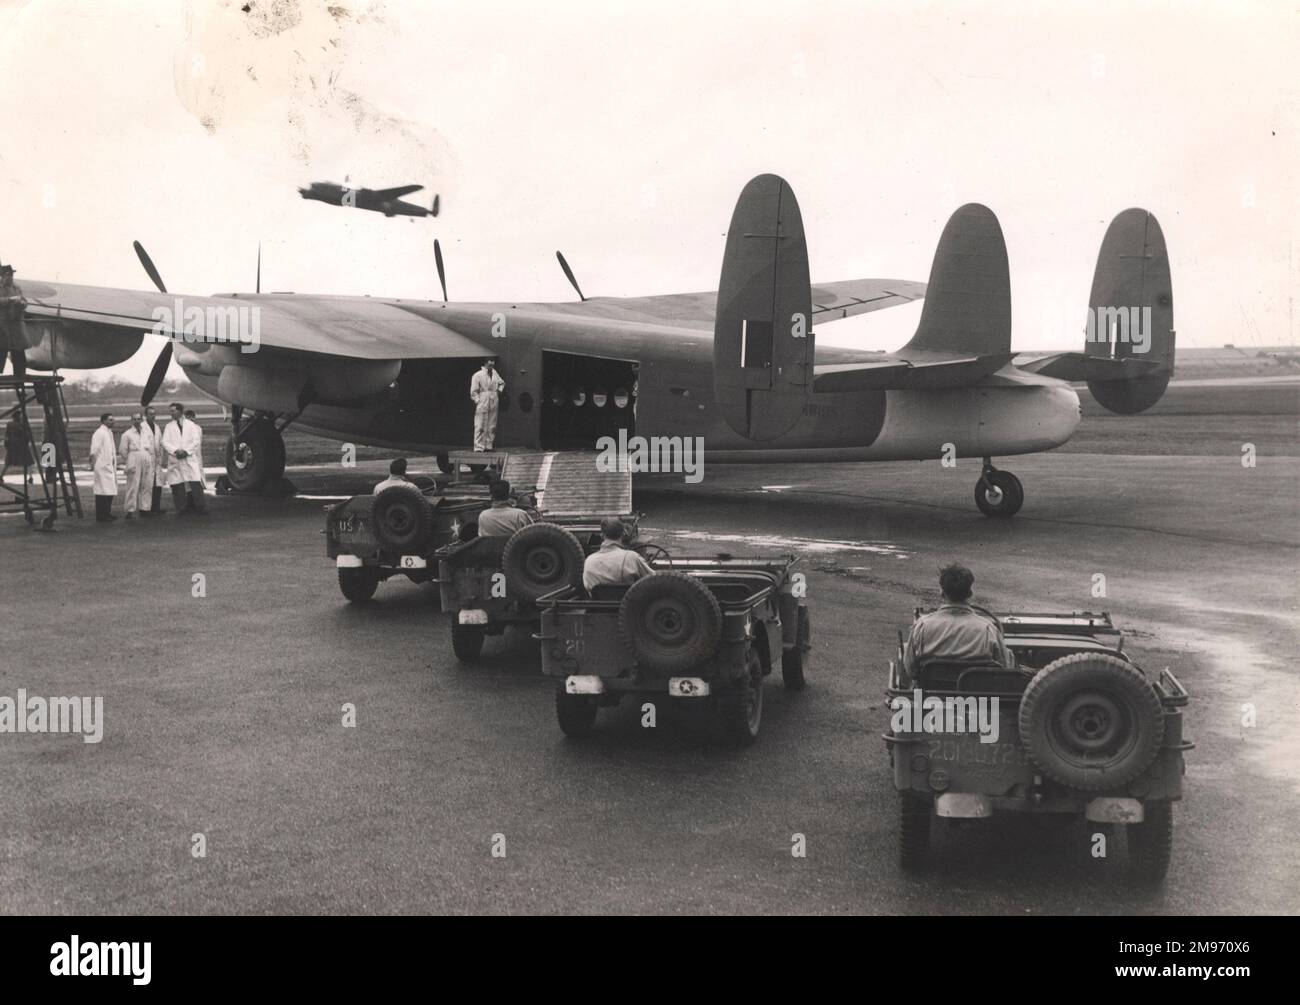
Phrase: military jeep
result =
(396, 533)
(1081, 730)
(488, 584)
(698, 628)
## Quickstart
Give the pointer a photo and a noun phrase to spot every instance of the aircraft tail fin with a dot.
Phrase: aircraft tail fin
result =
(762, 329)
(1128, 349)
(1131, 315)
(968, 298)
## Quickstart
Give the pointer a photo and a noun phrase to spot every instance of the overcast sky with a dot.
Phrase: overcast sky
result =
(622, 134)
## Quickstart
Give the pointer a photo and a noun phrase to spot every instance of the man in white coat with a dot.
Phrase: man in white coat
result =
(152, 432)
(103, 462)
(181, 444)
(203, 474)
(484, 387)
(137, 455)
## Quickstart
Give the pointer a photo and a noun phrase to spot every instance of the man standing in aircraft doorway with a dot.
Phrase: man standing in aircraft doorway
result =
(484, 387)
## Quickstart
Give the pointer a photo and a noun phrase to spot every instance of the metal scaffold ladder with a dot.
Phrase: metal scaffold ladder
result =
(47, 479)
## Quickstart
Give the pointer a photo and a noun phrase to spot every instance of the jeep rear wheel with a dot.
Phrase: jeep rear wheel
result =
(467, 641)
(794, 662)
(1151, 843)
(913, 831)
(1091, 721)
(358, 585)
(576, 713)
(740, 707)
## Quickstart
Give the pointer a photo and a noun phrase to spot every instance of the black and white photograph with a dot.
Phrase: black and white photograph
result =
(765, 458)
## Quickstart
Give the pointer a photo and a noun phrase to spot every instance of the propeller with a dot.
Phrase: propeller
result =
(442, 274)
(568, 272)
(164, 360)
(433, 211)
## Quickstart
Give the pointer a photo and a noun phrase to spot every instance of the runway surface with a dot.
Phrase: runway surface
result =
(224, 713)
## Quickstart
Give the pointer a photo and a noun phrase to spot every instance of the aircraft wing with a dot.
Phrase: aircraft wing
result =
(359, 327)
(396, 193)
(831, 302)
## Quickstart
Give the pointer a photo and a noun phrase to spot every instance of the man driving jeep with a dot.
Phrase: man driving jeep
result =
(957, 631)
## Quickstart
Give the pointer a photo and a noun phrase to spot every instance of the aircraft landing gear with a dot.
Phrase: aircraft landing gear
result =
(255, 455)
(998, 493)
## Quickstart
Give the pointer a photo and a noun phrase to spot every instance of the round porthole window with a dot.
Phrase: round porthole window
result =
(557, 395)
(579, 396)
(525, 402)
(599, 397)
(620, 397)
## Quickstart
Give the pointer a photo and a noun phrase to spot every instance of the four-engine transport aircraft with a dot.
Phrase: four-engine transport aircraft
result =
(738, 367)
(381, 200)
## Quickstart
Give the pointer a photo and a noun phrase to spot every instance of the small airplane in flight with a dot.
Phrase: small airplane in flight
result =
(738, 367)
(381, 200)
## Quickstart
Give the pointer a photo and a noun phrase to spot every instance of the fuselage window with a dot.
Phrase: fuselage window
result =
(579, 397)
(621, 397)
(599, 397)
(557, 396)
(525, 402)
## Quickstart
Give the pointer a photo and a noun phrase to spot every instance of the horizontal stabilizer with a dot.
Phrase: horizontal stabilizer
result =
(851, 297)
(915, 373)
(968, 298)
(1078, 366)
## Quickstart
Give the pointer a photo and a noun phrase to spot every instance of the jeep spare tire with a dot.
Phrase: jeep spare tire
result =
(670, 622)
(540, 558)
(1091, 721)
(402, 518)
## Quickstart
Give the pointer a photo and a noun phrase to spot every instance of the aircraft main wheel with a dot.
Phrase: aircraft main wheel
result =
(467, 641)
(358, 585)
(740, 707)
(1151, 843)
(576, 713)
(999, 494)
(255, 459)
(444, 463)
(794, 662)
(913, 831)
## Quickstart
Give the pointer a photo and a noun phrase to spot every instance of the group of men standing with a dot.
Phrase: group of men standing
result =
(154, 457)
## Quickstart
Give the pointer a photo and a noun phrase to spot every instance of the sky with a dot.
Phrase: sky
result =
(622, 134)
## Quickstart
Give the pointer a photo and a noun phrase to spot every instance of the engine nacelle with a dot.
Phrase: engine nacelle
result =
(78, 345)
(284, 389)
